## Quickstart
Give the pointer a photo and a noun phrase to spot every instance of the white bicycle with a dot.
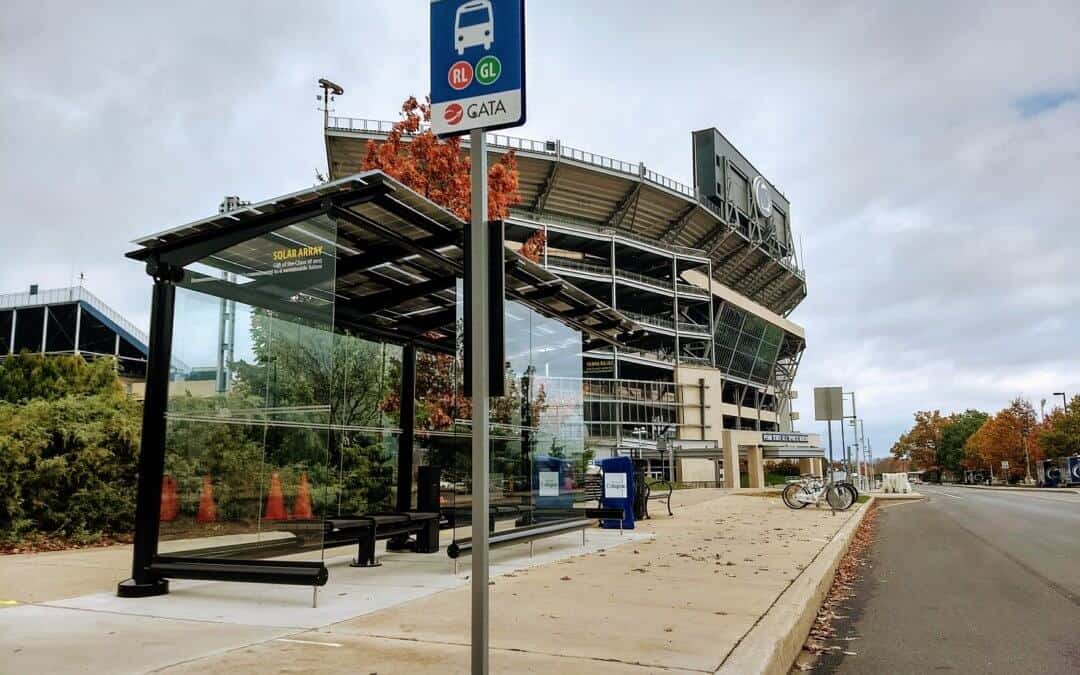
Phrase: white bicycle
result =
(813, 490)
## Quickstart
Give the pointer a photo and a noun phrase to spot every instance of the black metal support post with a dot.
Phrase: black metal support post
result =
(144, 582)
(405, 442)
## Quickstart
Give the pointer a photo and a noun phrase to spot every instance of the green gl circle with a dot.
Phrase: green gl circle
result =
(488, 70)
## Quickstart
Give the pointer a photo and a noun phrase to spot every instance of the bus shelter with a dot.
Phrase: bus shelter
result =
(326, 435)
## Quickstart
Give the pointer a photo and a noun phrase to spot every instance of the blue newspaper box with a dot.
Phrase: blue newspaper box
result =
(552, 484)
(1073, 466)
(618, 490)
(1049, 473)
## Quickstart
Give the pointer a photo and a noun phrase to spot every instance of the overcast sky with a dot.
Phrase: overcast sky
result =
(931, 154)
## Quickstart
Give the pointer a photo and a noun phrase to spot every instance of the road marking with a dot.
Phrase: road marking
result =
(948, 495)
(310, 642)
(8, 603)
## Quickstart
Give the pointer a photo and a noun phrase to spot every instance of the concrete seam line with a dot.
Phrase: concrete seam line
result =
(522, 650)
(773, 643)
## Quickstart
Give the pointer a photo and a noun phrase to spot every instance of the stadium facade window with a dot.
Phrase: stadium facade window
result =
(7, 316)
(28, 329)
(60, 336)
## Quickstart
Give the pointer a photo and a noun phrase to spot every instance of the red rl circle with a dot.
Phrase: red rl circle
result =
(453, 114)
(460, 75)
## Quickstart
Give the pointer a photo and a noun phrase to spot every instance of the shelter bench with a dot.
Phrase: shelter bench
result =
(496, 512)
(606, 513)
(529, 533)
(300, 573)
(365, 530)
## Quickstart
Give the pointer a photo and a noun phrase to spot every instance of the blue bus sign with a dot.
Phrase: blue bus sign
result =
(477, 65)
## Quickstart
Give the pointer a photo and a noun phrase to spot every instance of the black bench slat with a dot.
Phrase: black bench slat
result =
(521, 534)
(301, 573)
(603, 513)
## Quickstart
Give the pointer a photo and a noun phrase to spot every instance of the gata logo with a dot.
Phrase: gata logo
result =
(453, 114)
(485, 109)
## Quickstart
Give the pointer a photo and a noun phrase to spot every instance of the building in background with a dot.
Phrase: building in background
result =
(71, 321)
(708, 274)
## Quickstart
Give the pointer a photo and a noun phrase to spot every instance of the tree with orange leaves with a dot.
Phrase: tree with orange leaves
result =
(922, 443)
(439, 169)
(1004, 437)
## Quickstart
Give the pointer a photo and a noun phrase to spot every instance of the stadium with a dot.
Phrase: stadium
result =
(707, 273)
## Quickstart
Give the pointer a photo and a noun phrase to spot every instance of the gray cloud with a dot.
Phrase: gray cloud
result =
(930, 152)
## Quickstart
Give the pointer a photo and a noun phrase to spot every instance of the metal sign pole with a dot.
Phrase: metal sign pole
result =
(478, 298)
(829, 474)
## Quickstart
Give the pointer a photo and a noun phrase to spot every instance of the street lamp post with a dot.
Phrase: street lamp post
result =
(1064, 401)
(1027, 458)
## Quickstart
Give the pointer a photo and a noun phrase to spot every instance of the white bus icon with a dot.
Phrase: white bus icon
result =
(474, 26)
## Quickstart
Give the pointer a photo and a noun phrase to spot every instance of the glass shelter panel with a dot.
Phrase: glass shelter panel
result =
(248, 459)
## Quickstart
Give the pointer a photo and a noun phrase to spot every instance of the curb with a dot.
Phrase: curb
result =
(773, 644)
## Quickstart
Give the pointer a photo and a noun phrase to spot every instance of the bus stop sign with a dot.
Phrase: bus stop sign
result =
(477, 65)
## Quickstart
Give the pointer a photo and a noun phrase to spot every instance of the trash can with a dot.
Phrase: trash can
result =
(618, 490)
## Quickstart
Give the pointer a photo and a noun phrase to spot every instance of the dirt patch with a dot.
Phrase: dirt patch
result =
(849, 571)
(43, 543)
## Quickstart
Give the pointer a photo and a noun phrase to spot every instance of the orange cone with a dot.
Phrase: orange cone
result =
(302, 506)
(170, 507)
(207, 508)
(275, 501)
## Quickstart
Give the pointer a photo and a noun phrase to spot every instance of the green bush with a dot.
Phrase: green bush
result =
(67, 465)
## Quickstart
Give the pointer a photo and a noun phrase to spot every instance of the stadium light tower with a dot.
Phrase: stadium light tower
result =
(330, 90)
(1064, 401)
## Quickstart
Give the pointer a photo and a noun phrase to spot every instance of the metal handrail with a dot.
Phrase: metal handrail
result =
(594, 228)
(690, 289)
(691, 327)
(658, 321)
(644, 279)
(569, 263)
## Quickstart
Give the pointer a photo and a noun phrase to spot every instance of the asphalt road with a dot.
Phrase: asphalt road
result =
(968, 581)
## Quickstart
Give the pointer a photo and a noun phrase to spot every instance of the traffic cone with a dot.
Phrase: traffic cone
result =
(207, 509)
(275, 501)
(302, 505)
(170, 507)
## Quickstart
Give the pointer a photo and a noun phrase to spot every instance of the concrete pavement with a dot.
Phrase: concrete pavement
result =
(678, 603)
(967, 581)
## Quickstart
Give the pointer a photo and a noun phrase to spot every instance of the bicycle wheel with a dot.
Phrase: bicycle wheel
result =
(839, 497)
(854, 491)
(789, 496)
(851, 486)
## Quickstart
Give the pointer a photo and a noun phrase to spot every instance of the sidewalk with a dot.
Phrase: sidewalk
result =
(677, 596)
